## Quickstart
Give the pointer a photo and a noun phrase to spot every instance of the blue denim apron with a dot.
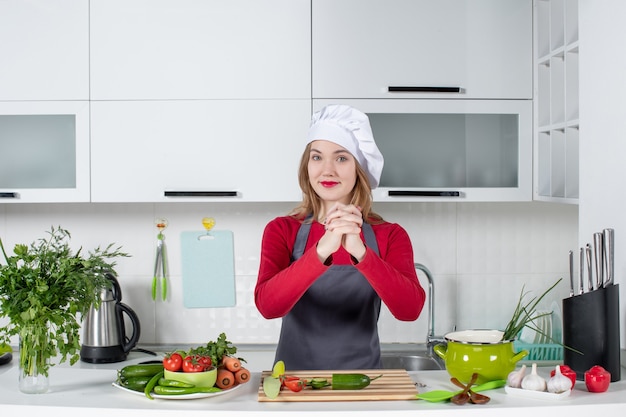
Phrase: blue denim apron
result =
(335, 323)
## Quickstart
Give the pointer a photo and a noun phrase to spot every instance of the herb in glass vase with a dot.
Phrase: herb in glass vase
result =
(45, 289)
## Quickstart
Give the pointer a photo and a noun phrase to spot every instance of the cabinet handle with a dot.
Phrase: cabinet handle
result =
(8, 195)
(401, 193)
(417, 89)
(200, 193)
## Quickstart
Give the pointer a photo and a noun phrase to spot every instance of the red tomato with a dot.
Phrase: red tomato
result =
(294, 384)
(568, 372)
(205, 361)
(173, 362)
(191, 364)
(597, 379)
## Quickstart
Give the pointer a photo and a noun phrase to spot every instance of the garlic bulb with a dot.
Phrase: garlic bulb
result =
(534, 381)
(559, 383)
(514, 380)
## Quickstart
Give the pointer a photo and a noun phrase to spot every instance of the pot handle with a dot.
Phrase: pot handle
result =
(134, 338)
(519, 356)
(441, 350)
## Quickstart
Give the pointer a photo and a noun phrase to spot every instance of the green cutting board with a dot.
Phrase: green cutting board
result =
(208, 269)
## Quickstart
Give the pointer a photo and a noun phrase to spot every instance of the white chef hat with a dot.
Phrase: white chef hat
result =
(349, 128)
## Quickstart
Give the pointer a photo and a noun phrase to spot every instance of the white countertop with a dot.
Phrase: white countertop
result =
(86, 390)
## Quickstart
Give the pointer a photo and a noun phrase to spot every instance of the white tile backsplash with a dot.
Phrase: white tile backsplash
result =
(480, 255)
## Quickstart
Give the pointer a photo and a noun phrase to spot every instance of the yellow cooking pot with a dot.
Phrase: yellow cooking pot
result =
(478, 351)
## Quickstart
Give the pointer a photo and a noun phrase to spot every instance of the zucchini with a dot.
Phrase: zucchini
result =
(351, 381)
(137, 383)
(132, 371)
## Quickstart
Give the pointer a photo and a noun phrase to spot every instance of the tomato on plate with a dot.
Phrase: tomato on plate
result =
(173, 362)
(205, 360)
(192, 364)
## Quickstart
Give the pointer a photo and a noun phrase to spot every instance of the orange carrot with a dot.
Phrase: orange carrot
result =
(225, 378)
(242, 376)
(231, 363)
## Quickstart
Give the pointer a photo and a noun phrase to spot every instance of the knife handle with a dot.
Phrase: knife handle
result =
(581, 271)
(598, 247)
(571, 273)
(589, 268)
(609, 253)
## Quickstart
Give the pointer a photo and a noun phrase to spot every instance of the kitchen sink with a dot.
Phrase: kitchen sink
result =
(411, 362)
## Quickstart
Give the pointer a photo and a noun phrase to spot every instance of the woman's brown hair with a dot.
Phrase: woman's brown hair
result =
(312, 204)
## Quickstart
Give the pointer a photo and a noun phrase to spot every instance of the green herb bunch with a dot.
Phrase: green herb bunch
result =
(47, 288)
(525, 315)
(216, 349)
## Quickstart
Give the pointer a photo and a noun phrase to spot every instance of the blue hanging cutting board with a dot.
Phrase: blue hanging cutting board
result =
(208, 269)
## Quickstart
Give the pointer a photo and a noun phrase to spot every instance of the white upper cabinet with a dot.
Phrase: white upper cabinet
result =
(422, 48)
(44, 50)
(451, 150)
(197, 150)
(200, 49)
(44, 151)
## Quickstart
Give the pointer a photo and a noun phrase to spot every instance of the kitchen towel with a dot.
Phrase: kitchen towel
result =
(208, 269)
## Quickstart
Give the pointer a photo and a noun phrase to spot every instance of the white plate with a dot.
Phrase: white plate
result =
(179, 397)
(538, 395)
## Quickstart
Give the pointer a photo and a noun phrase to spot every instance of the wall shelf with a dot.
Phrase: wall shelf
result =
(556, 73)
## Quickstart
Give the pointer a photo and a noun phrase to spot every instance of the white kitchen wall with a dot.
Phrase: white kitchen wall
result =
(480, 254)
(602, 125)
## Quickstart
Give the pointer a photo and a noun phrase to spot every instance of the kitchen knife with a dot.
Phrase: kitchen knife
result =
(589, 268)
(571, 273)
(581, 283)
(609, 249)
(598, 247)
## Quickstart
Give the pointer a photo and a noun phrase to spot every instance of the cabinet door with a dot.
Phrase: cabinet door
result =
(363, 47)
(451, 150)
(213, 150)
(44, 50)
(44, 151)
(200, 49)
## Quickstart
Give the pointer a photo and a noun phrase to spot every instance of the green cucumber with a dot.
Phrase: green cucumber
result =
(318, 383)
(132, 371)
(165, 390)
(137, 383)
(351, 381)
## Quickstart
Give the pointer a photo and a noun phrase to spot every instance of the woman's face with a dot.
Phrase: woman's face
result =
(332, 171)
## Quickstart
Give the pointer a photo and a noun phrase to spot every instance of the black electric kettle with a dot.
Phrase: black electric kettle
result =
(104, 333)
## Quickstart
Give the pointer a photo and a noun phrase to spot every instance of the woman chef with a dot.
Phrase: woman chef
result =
(327, 265)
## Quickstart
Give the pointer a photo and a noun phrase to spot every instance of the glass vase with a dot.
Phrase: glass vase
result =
(34, 360)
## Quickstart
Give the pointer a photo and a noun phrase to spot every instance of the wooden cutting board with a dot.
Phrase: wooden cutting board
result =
(395, 384)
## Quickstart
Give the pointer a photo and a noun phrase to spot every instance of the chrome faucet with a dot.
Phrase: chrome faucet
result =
(431, 339)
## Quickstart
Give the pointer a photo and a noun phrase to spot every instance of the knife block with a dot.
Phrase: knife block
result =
(591, 326)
